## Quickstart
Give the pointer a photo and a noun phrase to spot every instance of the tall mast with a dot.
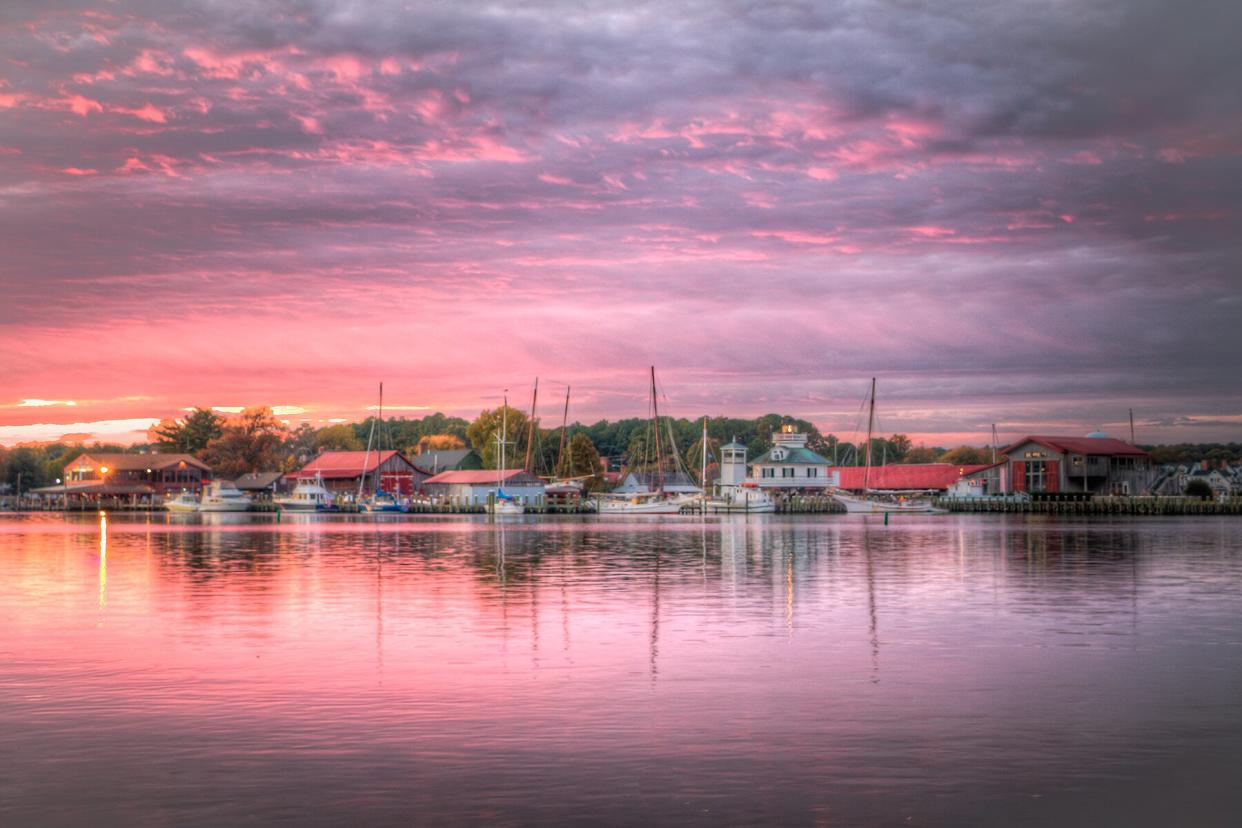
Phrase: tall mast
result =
(1131, 426)
(362, 478)
(703, 469)
(504, 437)
(560, 452)
(530, 425)
(993, 444)
(870, 426)
(380, 439)
(655, 409)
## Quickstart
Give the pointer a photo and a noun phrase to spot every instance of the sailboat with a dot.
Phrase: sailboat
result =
(871, 502)
(379, 500)
(657, 502)
(503, 504)
(563, 485)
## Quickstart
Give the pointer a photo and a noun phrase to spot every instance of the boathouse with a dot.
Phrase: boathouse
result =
(434, 462)
(789, 465)
(904, 477)
(473, 487)
(133, 475)
(343, 472)
(1096, 464)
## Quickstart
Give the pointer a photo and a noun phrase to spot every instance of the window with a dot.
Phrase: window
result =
(1036, 476)
(812, 471)
(787, 471)
(768, 472)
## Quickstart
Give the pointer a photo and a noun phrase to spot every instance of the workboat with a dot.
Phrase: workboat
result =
(184, 502)
(877, 504)
(308, 496)
(874, 503)
(644, 503)
(224, 496)
(747, 498)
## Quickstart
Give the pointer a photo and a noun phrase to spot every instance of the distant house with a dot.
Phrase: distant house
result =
(1096, 464)
(134, 474)
(434, 462)
(343, 472)
(261, 484)
(649, 481)
(472, 487)
(924, 477)
(789, 465)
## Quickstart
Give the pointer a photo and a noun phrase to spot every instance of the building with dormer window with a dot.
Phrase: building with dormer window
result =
(789, 465)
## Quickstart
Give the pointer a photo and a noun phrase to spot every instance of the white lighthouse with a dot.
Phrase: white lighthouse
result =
(732, 464)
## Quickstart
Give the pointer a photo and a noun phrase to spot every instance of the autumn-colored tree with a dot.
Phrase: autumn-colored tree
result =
(483, 434)
(251, 442)
(694, 455)
(339, 437)
(439, 442)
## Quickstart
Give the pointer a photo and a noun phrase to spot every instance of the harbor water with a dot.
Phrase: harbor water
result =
(794, 670)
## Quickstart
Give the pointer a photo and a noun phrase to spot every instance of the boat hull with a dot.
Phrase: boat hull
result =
(865, 506)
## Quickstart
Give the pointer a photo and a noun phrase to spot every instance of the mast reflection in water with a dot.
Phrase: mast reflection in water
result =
(207, 670)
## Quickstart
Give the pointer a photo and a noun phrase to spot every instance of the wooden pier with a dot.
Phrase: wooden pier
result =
(1094, 506)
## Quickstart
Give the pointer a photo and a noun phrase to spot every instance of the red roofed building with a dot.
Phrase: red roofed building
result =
(1096, 464)
(343, 471)
(910, 477)
(472, 487)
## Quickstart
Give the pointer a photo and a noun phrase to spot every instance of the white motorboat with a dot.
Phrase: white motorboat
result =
(184, 502)
(223, 496)
(308, 496)
(504, 504)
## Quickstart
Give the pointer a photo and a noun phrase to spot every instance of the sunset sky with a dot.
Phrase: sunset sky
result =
(1021, 213)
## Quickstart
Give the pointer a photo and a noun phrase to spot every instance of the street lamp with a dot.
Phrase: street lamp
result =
(103, 477)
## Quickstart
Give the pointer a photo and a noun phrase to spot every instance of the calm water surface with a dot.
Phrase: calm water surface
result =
(823, 670)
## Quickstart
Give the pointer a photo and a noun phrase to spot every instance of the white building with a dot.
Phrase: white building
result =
(474, 487)
(789, 464)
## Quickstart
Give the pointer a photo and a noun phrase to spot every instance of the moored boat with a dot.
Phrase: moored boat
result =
(308, 496)
(224, 496)
(184, 502)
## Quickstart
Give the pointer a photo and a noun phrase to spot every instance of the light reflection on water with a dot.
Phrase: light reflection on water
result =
(936, 671)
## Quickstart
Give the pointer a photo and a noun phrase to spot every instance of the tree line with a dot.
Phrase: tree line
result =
(256, 440)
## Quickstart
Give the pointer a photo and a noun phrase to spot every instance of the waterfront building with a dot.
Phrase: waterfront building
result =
(789, 465)
(922, 477)
(343, 472)
(133, 475)
(262, 484)
(472, 487)
(1095, 464)
(434, 462)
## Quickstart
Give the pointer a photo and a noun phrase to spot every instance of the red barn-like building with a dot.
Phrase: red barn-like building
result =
(342, 472)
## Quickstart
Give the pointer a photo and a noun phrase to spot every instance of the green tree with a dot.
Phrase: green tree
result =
(438, 442)
(484, 432)
(919, 454)
(191, 434)
(341, 437)
(582, 459)
(249, 443)
(298, 447)
(694, 455)
(967, 456)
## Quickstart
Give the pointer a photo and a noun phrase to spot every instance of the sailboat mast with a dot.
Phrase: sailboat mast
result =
(870, 426)
(560, 452)
(703, 468)
(504, 436)
(530, 425)
(380, 439)
(366, 460)
(993, 444)
(1132, 426)
(655, 409)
